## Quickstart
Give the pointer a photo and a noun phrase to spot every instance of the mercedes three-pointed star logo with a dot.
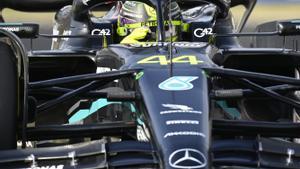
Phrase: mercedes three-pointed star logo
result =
(187, 158)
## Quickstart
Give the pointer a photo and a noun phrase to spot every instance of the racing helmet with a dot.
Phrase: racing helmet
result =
(137, 14)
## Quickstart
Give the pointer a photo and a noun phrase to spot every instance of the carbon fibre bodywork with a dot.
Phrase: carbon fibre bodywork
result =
(170, 128)
(171, 105)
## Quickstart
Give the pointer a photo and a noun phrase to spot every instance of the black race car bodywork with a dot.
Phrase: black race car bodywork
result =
(199, 103)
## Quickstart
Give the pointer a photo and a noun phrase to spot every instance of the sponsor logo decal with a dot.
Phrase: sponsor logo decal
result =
(184, 133)
(101, 32)
(187, 158)
(48, 167)
(176, 108)
(178, 83)
(12, 29)
(175, 44)
(175, 122)
(200, 32)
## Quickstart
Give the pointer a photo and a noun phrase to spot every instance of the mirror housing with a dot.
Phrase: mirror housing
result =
(289, 28)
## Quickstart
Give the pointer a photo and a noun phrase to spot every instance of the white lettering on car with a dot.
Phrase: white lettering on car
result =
(175, 122)
(184, 133)
(175, 108)
(101, 32)
(200, 32)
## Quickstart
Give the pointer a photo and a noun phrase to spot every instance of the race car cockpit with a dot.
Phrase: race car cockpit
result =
(197, 23)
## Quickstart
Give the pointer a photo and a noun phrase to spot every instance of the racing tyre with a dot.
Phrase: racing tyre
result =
(8, 97)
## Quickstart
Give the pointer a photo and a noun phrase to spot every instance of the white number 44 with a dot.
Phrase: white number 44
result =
(200, 32)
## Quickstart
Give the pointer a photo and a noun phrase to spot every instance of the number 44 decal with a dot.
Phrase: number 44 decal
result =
(162, 60)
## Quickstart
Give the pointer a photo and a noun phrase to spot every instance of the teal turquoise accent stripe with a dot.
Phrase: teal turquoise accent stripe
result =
(100, 103)
(233, 112)
(82, 114)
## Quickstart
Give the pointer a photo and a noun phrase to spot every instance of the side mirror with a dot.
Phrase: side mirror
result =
(288, 28)
(22, 30)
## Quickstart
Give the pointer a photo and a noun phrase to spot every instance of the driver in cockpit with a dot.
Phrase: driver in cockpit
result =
(137, 23)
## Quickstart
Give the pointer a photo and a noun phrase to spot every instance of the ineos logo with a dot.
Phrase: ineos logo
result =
(200, 32)
(187, 158)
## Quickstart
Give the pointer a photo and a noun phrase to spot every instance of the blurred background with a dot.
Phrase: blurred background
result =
(265, 10)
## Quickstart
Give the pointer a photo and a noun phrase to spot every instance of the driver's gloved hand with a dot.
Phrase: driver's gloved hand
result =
(136, 35)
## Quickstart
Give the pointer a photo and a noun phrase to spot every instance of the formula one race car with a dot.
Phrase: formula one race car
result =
(202, 102)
